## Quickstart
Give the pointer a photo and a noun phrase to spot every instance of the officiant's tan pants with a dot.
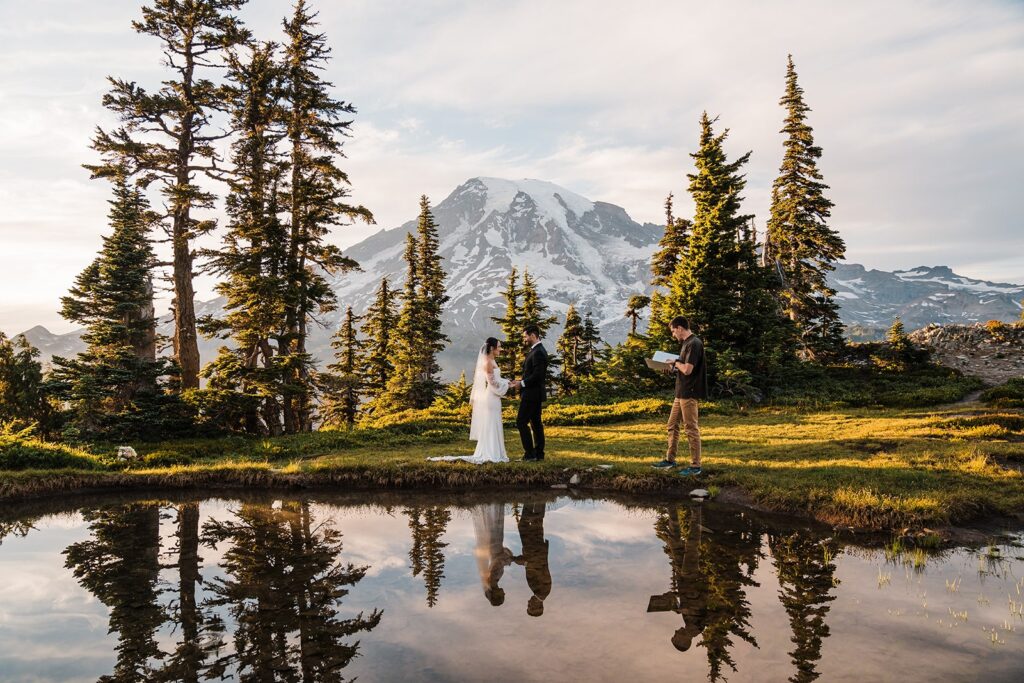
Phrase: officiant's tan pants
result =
(684, 412)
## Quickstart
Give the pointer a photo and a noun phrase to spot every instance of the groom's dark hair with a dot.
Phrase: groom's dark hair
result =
(680, 321)
(532, 329)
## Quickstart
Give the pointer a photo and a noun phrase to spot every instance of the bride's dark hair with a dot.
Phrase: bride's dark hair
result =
(489, 345)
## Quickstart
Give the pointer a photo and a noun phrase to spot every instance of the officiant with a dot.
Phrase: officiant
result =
(691, 376)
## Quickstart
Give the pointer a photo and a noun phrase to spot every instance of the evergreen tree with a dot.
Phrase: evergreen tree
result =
(671, 247)
(426, 556)
(245, 382)
(166, 137)
(120, 565)
(511, 325)
(534, 311)
(403, 388)
(433, 297)
(342, 385)
(589, 350)
(637, 303)
(568, 348)
(378, 329)
(283, 581)
(23, 398)
(806, 575)
(799, 238)
(456, 395)
(720, 285)
(113, 387)
(901, 349)
(419, 335)
(316, 199)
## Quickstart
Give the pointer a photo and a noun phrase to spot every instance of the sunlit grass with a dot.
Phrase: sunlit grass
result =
(882, 468)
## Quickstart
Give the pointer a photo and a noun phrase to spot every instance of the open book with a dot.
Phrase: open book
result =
(662, 361)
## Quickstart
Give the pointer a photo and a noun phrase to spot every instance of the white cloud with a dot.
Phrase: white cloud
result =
(916, 105)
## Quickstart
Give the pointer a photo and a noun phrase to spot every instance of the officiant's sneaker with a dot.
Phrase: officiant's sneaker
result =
(690, 471)
(663, 465)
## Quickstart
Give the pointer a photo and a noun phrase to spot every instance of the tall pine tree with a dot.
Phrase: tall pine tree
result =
(568, 348)
(245, 387)
(533, 311)
(720, 285)
(511, 325)
(378, 329)
(799, 239)
(23, 397)
(419, 336)
(636, 304)
(166, 137)
(671, 247)
(316, 199)
(342, 385)
(113, 387)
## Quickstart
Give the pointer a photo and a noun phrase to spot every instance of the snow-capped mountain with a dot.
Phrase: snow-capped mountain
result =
(873, 298)
(594, 255)
(584, 252)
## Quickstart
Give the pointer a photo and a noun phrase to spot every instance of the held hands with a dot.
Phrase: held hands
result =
(516, 383)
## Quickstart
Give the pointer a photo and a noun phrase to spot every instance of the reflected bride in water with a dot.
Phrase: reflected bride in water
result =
(491, 554)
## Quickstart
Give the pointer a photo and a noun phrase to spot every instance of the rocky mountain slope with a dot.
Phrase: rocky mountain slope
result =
(871, 299)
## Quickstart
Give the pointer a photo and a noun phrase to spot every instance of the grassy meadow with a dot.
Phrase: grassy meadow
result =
(878, 466)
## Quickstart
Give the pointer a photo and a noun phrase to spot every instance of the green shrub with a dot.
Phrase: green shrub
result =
(1007, 395)
(19, 452)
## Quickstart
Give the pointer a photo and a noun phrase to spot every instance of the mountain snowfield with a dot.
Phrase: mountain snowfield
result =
(591, 254)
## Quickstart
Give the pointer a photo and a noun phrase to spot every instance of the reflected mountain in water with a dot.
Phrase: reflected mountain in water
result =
(403, 587)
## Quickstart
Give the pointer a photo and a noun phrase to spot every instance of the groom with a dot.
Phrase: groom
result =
(535, 369)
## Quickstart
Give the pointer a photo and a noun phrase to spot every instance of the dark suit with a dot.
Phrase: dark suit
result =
(535, 556)
(535, 370)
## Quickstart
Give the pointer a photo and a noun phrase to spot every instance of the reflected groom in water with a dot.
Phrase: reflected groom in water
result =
(535, 556)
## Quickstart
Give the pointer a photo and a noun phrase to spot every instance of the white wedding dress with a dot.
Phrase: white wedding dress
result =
(485, 424)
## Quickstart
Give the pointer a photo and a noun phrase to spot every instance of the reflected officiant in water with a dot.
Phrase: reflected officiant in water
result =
(680, 531)
(491, 554)
(535, 556)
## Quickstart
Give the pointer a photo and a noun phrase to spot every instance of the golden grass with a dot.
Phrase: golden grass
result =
(881, 468)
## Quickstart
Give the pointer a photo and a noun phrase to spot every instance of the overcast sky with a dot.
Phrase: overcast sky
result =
(919, 107)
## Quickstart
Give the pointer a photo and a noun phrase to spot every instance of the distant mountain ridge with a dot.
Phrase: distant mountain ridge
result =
(591, 254)
(871, 299)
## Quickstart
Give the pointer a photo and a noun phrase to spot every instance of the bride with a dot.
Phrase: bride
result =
(485, 426)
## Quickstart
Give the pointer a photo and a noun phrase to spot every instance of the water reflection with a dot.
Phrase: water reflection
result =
(260, 590)
(120, 565)
(534, 557)
(283, 582)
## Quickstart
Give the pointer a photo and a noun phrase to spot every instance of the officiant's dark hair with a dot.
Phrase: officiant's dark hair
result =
(490, 344)
(680, 321)
(532, 329)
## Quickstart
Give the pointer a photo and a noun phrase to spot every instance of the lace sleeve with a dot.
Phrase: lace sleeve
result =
(496, 384)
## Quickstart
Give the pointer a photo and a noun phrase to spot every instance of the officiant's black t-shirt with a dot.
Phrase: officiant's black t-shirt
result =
(694, 385)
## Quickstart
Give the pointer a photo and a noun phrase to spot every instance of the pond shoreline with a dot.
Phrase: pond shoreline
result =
(456, 479)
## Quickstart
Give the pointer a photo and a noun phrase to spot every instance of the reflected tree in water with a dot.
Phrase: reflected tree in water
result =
(806, 579)
(16, 528)
(284, 582)
(199, 630)
(426, 556)
(709, 582)
(120, 565)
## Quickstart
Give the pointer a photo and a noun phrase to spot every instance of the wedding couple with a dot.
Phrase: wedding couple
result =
(488, 389)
